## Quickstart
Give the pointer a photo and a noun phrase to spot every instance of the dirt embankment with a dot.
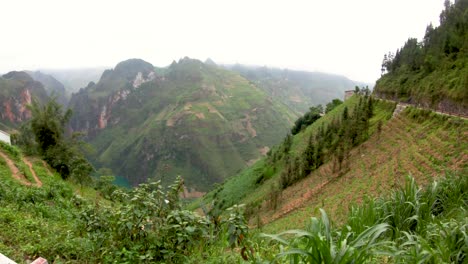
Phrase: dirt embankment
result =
(16, 174)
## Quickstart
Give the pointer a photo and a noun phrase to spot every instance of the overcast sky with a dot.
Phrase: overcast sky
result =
(347, 37)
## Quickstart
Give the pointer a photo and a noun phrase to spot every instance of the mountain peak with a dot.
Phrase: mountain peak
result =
(130, 68)
(209, 61)
(18, 75)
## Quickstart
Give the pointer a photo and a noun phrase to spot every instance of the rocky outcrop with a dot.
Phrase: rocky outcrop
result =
(94, 104)
(140, 79)
(91, 115)
(17, 90)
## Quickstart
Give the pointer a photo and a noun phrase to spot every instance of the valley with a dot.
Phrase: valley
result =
(206, 162)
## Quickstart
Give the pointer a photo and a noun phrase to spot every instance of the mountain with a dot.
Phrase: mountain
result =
(51, 85)
(433, 72)
(75, 79)
(17, 89)
(297, 89)
(192, 119)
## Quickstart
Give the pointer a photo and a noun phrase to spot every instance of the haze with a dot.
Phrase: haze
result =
(342, 36)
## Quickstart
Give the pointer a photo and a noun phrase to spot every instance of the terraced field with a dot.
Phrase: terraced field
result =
(426, 146)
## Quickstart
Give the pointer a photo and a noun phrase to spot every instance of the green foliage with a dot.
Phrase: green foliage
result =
(141, 225)
(104, 184)
(333, 142)
(321, 244)
(333, 104)
(432, 72)
(47, 124)
(307, 119)
(12, 151)
(151, 226)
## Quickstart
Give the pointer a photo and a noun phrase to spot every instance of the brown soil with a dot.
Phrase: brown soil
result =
(14, 170)
(38, 181)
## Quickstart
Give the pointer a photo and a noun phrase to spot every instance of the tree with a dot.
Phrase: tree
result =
(81, 170)
(308, 156)
(357, 90)
(307, 119)
(345, 113)
(332, 105)
(47, 124)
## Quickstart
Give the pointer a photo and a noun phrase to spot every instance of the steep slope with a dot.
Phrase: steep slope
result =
(193, 119)
(51, 85)
(297, 89)
(434, 72)
(17, 89)
(416, 142)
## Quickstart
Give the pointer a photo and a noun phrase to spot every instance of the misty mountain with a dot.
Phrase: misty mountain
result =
(51, 85)
(74, 79)
(297, 89)
(200, 121)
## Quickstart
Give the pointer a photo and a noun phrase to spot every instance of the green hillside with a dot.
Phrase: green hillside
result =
(390, 186)
(255, 185)
(417, 142)
(432, 72)
(191, 119)
(297, 89)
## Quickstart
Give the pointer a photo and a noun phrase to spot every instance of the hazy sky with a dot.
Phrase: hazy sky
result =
(346, 37)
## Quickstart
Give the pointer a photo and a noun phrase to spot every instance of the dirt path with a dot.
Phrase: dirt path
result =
(14, 170)
(402, 106)
(38, 181)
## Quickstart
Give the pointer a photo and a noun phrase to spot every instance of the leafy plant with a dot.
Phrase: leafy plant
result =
(320, 244)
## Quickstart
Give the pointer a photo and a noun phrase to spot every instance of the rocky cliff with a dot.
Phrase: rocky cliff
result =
(17, 90)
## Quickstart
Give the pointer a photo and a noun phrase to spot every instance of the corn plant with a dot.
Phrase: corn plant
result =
(321, 244)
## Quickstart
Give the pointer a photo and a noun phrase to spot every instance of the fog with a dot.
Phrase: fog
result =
(342, 36)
